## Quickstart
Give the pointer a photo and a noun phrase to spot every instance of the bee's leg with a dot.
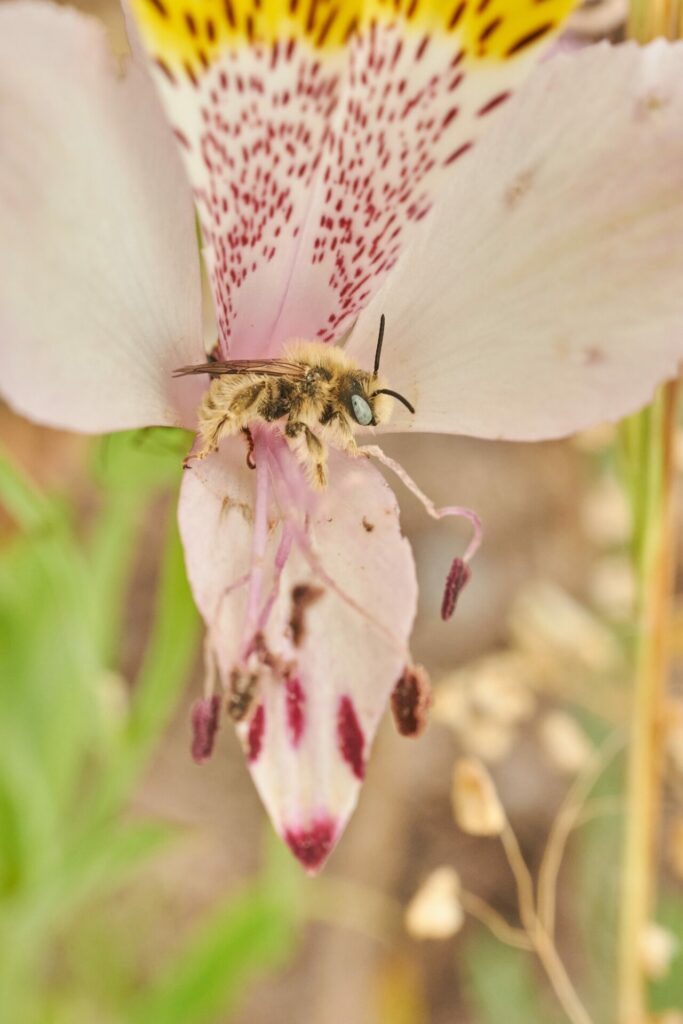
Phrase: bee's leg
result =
(312, 453)
(215, 421)
(341, 425)
(250, 447)
(210, 433)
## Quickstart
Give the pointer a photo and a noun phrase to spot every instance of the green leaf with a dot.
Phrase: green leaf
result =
(667, 993)
(132, 468)
(139, 462)
(48, 691)
(23, 501)
(252, 934)
(501, 984)
(167, 662)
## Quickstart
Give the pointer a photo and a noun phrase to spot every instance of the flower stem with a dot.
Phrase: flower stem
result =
(650, 436)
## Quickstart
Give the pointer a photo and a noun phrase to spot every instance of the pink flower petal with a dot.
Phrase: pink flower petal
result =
(544, 293)
(309, 738)
(99, 283)
(317, 140)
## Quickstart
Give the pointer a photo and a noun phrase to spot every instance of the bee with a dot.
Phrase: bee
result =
(318, 394)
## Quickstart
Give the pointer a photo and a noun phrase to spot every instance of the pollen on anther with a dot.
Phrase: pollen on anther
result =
(411, 700)
(457, 579)
(204, 727)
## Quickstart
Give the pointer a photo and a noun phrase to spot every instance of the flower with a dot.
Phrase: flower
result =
(338, 161)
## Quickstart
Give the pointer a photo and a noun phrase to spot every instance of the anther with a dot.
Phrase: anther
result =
(411, 700)
(457, 579)
(204, 727)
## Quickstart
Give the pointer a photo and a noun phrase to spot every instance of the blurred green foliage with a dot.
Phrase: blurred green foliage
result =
(667, 992)
(502, 984)
(74, 739)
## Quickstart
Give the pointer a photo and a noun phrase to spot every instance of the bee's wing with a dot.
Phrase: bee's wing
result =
(265, 367)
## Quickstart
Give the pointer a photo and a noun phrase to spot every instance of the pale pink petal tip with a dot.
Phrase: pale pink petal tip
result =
(204, 727)
(456, 581)
(317, 608)
(312, 844)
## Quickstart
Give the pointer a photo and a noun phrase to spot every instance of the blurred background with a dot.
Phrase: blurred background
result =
(138, 886)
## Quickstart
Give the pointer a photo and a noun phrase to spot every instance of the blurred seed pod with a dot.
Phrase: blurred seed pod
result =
(564, 742)
(549, 624)
(435, 911)
(612, 586)
(658, 946)
(484, 702)
(476, 806)
(605, 513)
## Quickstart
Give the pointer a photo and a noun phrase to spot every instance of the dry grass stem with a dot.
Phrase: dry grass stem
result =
(565, 822)
(542, 943)
(477, 907)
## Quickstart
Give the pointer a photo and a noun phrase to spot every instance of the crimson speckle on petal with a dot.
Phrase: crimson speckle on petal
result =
(255, 735)
(296, 710)
(313, 845)
(351, 738)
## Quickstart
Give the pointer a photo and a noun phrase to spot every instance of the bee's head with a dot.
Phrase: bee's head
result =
(369, 401)
(367, 406)
(366, 401)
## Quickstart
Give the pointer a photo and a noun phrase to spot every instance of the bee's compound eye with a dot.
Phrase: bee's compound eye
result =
(361, 410)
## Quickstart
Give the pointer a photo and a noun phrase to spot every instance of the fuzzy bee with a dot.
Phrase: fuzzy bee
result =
(315, 390)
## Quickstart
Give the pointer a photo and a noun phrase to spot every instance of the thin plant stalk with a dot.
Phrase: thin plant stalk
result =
(650, 437)
(542, 943)
(648, 440)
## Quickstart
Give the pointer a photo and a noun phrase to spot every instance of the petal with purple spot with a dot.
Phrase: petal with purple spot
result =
(323, 689)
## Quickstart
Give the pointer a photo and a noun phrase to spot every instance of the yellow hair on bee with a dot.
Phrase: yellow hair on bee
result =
(315, 393)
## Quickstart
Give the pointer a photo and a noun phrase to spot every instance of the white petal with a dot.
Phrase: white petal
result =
(544, 293)
(308, 743)
(99, 282)
(317, 135)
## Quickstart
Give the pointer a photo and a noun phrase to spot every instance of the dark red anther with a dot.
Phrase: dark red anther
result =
(204, 727)
(411, 700)
(457, 579)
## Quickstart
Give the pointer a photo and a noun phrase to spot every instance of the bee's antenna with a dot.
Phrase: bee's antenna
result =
(378, 350)
(394, 394)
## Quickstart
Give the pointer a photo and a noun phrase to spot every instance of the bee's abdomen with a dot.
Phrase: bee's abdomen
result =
(277, 402)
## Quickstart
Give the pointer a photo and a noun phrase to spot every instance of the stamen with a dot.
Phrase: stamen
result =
(411, 700)
(458, 577)
(259, 538)
(289, 508)
(375, 452)
(281, 556)
(204, 727)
